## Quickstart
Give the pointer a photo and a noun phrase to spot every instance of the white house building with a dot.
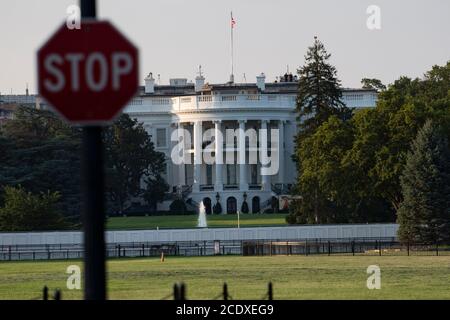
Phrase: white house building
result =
(197, 107)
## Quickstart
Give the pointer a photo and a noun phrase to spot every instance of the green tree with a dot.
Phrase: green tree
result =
(424, 214)
(155, 189)
(30, 125)
(319, 97)
(372, 83)
(24, 211)
(130, 157)
(383, 135)
(319, 93)
(41, 155)
(362, 182)
(323, 182)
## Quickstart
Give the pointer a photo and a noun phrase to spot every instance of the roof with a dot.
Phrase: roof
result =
(231, 88)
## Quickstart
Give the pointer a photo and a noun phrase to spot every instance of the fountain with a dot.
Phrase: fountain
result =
(202, 216)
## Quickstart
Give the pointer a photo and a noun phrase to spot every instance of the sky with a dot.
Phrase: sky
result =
(176, 36)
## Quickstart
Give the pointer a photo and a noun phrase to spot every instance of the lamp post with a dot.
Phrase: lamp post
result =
(216, 206)
(239, 211)
(238, 218)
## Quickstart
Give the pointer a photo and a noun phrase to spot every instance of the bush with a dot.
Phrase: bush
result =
(24, 211)
(217, 208)
(178, 206)
(244, 207)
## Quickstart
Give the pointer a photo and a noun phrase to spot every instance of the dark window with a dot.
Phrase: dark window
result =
(255, 205)
(231, 205)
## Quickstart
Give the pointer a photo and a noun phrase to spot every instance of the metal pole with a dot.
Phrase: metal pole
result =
(93, 202)
(225, 291)
(93, 215)
(270, 291)
(232, 66)
(239, 222)
(45, 293)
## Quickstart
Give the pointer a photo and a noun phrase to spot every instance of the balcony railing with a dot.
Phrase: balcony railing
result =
(254, 186)
(160, 104)
(206, 187)
(230, 186)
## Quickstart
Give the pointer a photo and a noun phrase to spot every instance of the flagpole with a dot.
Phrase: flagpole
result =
(232, 71)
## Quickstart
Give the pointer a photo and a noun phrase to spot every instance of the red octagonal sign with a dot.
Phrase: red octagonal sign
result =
(88, 74)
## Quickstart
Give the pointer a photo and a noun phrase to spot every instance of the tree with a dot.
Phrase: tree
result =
(324, 183)
(42, 155)
(424, 214)
(383, 135)
(155, 189)
(217, 208)
(244, 207)
(30, 125)
(319, 98)
(356, 177)
(24, 211)
(130, 157)
(372, 83)
(319, 93)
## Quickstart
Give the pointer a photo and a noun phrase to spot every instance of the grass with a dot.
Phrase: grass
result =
(190, 221)
(293, 277)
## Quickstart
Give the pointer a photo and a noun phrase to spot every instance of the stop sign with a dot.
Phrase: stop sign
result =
(88, 74)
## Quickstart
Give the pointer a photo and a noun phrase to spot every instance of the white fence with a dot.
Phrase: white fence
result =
(343, 231)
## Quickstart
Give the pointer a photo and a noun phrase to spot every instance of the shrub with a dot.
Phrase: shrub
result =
(178, 206)
(24, 211)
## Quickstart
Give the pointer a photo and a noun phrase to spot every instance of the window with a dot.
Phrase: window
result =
(253, 174)
(161, 137)
(208, 174)
(231, 174)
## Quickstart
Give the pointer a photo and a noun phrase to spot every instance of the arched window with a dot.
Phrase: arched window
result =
(231, 205)
(255, 204)
(207, 204)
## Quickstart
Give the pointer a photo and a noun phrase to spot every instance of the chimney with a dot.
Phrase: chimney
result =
(261, 81)
(149, 84)
(199, 80)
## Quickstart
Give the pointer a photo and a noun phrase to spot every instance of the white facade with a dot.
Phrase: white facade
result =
(198, 107)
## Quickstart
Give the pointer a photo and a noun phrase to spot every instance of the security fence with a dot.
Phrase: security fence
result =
(351, 246)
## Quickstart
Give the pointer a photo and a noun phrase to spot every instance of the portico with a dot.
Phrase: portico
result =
(225, 127)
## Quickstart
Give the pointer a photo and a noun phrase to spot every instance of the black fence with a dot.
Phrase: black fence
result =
(353, 246)
(178, 293)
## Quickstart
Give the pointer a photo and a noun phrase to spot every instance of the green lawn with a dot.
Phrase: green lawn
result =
(293, 277)
(190, 221)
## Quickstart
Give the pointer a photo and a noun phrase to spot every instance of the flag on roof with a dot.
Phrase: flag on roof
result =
(233, 22)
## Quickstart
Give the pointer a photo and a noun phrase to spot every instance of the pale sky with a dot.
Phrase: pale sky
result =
(175, 36)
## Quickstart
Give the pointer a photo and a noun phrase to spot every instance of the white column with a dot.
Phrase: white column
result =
(182, 167)
(197, 155)
(243, 183)
(218, 150)
(265, 178)
(281, 151)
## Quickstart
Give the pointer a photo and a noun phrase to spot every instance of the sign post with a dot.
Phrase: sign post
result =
(93, 216)
(88, 75)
